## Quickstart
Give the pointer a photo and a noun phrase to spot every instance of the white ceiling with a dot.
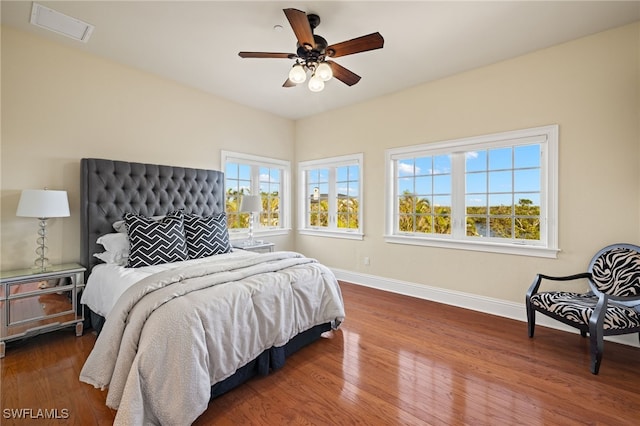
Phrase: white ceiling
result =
(197, 42)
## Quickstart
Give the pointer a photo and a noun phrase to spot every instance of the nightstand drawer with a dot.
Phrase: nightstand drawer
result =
(24, 288)
(30, 308)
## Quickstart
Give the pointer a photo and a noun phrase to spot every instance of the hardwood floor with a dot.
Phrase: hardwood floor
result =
(396, 360)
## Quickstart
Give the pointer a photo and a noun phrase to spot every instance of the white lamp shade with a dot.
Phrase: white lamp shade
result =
(43, 203)
(297, 74)
(324, 71)
(316, 84)
(251, 203)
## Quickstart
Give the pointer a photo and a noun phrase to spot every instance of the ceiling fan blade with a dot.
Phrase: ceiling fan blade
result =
(361, 44)
(266, 55)
(301, 28)
(344, 75)
(289, 83)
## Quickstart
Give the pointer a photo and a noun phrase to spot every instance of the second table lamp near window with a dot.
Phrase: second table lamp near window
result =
(251, 204)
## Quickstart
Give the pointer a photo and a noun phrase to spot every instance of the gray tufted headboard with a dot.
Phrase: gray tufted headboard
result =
(111, 188)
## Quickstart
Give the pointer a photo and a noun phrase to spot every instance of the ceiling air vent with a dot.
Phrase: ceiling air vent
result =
(60, 23)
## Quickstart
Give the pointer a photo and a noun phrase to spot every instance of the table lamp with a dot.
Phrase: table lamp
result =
(251, 204)
(43, 204)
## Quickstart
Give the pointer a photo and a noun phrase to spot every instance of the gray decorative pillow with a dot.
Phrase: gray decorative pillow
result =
(153, 242)
(206, 236)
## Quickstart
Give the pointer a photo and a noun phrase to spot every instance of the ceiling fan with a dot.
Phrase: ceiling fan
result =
(313, 51)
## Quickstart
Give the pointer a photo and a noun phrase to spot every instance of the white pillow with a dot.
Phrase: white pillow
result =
(116, 242)
(118, 258)
(119, 226)
(116, 248)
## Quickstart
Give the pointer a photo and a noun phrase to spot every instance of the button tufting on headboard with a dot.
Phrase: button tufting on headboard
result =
(111, 188)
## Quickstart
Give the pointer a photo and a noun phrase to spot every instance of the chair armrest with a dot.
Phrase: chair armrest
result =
(567, 277)
(625, 300)
(604, 301)
(596, 321)
(533, 289)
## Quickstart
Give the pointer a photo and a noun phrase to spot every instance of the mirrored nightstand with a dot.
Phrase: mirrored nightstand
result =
(259, 246)
(34, 301)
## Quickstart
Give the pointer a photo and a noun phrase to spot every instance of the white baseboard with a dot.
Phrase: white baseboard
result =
(502, 308)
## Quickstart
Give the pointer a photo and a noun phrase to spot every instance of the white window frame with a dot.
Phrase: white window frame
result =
(546, 136)
(332, 230)
(256, 161)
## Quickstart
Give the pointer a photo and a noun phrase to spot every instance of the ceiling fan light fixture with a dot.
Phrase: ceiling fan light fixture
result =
(312, 52)
(316, 84)
(324, 71)
(297, 74)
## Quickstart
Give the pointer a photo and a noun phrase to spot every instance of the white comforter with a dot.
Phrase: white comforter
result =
(195, 326)
(108, 281)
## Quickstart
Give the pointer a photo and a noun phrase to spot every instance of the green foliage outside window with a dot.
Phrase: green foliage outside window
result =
(417, 215)
(522, 221)
(269, 216)
(348, 209)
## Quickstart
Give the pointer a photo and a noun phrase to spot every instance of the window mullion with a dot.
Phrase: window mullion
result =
(458, 204)
(333, 199)
(255, 180)
(255, 190)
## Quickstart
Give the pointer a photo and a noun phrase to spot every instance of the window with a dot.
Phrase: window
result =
(331, 197)
(250, 174)
(493, 193)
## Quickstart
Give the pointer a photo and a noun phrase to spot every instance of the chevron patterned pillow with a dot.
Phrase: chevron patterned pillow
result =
(154, 242)
(207, 235)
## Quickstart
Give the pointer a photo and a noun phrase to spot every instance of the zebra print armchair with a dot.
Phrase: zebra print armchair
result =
(611, 307)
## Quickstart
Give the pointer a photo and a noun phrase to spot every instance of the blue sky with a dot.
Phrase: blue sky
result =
(506, 173)
(346, 180)
(238, 177)
(493, 177)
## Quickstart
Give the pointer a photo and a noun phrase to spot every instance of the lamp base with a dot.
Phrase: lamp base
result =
(250, 241)
(42, 262)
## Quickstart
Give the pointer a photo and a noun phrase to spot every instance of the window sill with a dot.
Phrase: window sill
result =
(515, 249)
(332, 234)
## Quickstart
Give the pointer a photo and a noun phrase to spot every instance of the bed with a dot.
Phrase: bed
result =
(176, 332)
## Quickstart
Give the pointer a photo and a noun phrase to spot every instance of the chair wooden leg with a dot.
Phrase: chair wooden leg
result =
(531, 319)
(596, 324)
(596, 347)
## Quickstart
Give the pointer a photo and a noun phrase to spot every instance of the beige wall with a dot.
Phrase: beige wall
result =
(589, 87)
(61, 104)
